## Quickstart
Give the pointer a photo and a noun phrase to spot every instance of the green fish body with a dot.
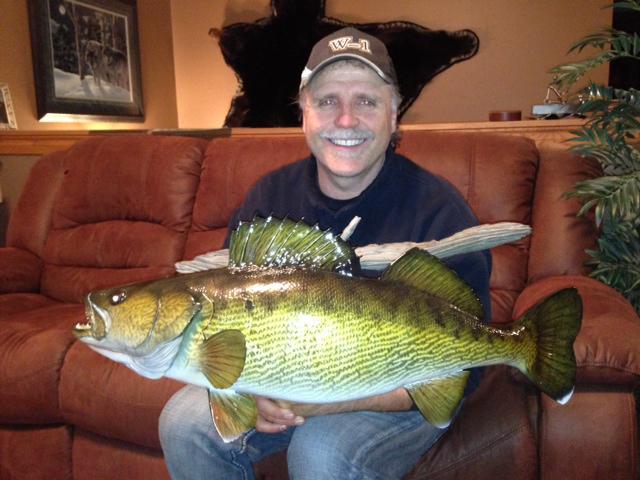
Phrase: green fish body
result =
(287, 321)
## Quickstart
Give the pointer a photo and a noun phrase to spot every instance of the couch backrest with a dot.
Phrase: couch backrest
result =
(108, 211)
(115, 210)
(230, 168)
(496, 176)
(559, 238)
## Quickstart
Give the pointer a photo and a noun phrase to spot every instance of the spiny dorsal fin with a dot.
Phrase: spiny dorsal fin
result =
(272, 242)
(222, 358)
(233, 413)
(439, 398)
(422, 270)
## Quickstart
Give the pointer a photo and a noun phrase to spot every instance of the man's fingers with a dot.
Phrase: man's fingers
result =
(274, 417)
(266, 426)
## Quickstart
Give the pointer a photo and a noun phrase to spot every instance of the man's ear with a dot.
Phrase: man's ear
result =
(394, 120)
(395, 103)
(301, 101)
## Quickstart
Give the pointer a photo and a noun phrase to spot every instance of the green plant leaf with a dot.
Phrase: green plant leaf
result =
(611, 135)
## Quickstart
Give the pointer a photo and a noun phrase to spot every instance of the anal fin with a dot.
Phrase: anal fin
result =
(233, 413)
(438, 399)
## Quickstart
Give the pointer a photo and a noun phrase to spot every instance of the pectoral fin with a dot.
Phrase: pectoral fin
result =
(233, 413)
(222, 358)
(438, 399)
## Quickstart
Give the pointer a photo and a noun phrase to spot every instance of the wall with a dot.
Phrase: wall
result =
(156, 51)
(520, 40)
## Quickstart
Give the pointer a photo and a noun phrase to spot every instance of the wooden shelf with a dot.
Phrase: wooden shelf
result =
(16, 142)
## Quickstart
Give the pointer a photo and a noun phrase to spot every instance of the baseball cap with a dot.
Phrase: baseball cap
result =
(349, 43)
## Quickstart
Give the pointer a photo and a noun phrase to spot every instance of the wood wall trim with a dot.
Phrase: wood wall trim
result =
(548, 132)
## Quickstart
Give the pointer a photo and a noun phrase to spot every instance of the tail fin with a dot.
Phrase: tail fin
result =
(554, 324)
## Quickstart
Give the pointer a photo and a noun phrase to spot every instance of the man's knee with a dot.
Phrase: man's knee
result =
(184, 416)
(314, 453)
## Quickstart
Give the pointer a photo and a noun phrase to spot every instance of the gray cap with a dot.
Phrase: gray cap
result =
(349, 43)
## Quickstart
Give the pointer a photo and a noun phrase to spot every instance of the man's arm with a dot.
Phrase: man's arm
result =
(276, 416)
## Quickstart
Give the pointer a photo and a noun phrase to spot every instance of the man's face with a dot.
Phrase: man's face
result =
(348, 118)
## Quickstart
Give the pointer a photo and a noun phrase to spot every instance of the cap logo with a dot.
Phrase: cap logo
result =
(344, 43)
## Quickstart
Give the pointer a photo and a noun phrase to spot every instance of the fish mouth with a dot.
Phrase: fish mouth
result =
(98, 322)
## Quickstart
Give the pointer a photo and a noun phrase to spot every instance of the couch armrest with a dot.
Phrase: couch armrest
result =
(607, 346)
(19, 271)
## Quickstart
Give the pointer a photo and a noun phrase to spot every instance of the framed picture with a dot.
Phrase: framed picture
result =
(7, 117)
(86, 59)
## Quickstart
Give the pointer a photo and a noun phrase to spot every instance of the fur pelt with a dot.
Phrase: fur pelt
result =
(268, 56)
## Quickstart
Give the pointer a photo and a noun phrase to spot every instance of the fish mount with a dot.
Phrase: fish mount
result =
(379, 256)
(285, 317)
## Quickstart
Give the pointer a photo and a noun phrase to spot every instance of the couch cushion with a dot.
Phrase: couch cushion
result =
(491, 438)
(31, 218)
(11, 303)
(104, 397)
(35, 453)
(496, 175)
(96, 457)
(33, 345)
(19, 270)
(231, 167)
(560, 238)
(124, 205)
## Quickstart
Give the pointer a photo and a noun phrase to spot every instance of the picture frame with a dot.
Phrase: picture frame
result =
(7, 116)
(86, 60)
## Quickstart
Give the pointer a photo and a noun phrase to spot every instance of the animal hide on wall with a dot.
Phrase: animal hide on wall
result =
(268, 56)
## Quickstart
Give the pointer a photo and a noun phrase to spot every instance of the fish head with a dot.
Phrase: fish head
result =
(137, 319)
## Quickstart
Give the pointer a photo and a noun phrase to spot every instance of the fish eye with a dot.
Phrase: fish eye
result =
(118, 298)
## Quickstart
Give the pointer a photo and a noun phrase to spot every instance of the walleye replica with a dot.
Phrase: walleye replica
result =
(287, 320)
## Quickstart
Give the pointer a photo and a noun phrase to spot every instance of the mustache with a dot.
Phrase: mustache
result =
(347, 134)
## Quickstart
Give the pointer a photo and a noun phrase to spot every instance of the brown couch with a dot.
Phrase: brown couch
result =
(113, 210)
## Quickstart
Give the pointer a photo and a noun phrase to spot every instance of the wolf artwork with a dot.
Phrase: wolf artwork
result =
(107, 64)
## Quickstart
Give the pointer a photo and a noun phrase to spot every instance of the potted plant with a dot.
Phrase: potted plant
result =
(611, 136)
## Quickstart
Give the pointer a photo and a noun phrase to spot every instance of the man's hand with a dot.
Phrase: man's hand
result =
(276, 416)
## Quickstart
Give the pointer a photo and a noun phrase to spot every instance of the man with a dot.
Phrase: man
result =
(349, 101)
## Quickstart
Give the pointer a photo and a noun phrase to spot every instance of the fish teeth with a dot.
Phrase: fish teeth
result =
(83, 326)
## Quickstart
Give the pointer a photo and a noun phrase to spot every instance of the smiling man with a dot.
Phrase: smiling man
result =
(349, 99)
(349, 116)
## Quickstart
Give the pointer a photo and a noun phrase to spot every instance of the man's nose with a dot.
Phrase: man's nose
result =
(346, 117)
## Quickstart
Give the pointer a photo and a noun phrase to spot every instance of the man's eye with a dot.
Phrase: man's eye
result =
(370, 102)
(326, 102)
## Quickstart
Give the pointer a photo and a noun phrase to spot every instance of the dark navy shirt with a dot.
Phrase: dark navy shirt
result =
(404, 203)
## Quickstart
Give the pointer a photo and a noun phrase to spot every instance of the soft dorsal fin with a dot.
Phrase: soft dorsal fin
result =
(422, 270)
(272, 242)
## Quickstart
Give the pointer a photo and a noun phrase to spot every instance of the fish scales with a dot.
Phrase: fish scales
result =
(303, 329)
